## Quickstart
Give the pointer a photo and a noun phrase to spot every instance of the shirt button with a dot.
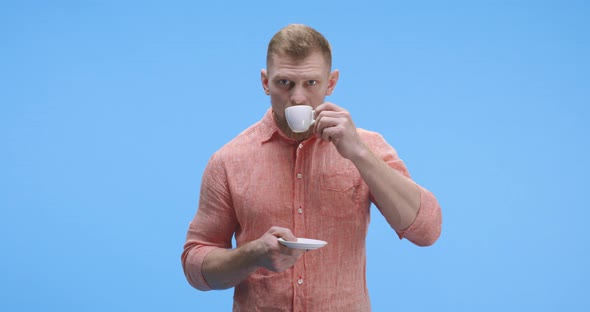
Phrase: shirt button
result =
(300, 145)
(300, 210)
(299, 281)
(299, 176)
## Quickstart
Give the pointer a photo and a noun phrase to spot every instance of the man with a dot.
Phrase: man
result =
(271, 183)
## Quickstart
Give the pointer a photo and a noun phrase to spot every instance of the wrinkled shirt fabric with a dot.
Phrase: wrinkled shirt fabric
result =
(262, 179)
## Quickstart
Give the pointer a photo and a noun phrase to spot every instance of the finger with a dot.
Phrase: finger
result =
(328, 127)
(330, 119)
(327, 109)
(284, 233)
(332, 134)
(297, 253)
(320, 108)
(323, 121)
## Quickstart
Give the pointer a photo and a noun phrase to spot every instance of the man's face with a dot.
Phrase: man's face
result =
(292, 82)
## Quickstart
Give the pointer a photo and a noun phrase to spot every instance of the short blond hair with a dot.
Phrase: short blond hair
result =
(298, 41)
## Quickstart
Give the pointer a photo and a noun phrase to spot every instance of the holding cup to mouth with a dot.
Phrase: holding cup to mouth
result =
(300, 117)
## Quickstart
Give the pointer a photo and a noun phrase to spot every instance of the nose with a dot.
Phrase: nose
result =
(298, 96)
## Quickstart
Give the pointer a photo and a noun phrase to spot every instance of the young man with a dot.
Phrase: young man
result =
(271, 183)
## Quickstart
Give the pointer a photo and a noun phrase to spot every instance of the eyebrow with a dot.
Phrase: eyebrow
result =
(303, 77)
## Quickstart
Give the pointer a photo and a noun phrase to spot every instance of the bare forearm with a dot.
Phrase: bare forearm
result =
(397, 196)
(225, 268)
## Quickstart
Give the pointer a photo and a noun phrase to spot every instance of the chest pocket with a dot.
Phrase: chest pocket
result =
(340, 188)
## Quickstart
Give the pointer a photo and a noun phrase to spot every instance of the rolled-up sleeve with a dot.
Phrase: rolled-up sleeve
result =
(192, 262)
(426, 228)
(212, 226)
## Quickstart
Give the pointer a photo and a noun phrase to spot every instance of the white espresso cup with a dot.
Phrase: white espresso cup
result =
(300, 117)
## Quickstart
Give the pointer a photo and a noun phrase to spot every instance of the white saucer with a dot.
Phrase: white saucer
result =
(304, 243)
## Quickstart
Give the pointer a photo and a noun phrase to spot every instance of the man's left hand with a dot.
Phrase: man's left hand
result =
(333, 123)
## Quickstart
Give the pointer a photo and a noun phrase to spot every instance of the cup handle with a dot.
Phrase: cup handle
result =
(312, 117)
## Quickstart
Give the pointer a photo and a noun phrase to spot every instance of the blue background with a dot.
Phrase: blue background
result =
(109, 111)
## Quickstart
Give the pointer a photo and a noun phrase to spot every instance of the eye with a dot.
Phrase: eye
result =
(312, 82)
(284, 82)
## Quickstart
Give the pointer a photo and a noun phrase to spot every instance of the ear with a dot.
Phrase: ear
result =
(264, 81)
(332, 80)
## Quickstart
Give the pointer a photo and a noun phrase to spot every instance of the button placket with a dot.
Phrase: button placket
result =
(298, 192)
(298, 223)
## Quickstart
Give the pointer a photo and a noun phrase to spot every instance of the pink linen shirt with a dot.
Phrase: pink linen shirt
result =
(262, 179)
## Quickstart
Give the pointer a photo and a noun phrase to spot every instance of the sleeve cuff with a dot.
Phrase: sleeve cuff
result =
(193, 266)
(426, 228)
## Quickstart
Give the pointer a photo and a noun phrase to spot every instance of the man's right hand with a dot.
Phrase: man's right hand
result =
(225, 268)
(273, 255)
